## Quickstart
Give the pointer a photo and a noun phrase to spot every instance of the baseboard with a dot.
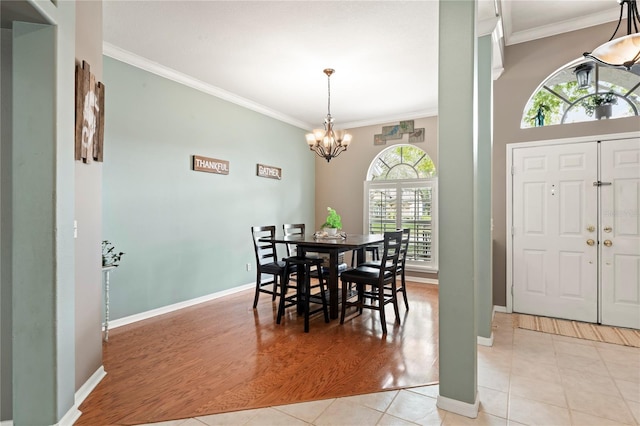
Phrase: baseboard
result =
(422, 280)
(89, 385)
(71, 417)
(486, 341)
(459, 407)
(502, 309)
(81, 394)
(176, 306)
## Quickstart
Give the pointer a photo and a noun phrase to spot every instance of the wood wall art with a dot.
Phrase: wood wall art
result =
(397, 132)
(268, 171)
(89, 139)
(210, 165)
(416, 136)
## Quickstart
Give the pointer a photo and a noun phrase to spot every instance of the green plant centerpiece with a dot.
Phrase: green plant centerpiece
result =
(110, 257)
(333, 223)
(600, 104)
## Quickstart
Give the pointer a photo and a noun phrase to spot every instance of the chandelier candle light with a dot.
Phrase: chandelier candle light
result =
(622, 52)
(328, 143)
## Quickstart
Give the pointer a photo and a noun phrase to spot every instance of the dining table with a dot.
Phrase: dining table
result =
(333, 246)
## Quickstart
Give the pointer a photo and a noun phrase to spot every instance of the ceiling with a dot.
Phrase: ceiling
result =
(269, 55)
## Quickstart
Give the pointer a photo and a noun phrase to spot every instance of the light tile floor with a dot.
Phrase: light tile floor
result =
(525, 378)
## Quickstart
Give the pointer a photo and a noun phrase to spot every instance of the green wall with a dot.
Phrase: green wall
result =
(39, 209)
(186, 234)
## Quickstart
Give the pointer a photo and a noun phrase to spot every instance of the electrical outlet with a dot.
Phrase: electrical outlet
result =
(248, 266)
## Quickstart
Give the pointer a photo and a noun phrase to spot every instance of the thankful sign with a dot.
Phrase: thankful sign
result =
(269, 171)
(210, 165)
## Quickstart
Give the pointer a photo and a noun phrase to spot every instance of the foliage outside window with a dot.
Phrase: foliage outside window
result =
(559, 100)
(400, 192)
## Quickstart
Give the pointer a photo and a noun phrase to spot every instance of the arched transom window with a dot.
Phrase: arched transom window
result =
(401, 162)
(602, 93)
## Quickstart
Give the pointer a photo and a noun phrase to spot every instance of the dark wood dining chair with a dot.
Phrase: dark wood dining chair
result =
(400, 271)
(267, 263)
(375, 255)
(292, 230)
(371, 282)
(302, 294)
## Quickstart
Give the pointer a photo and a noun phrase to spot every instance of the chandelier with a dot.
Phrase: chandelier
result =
(328, 143)
(622, 52)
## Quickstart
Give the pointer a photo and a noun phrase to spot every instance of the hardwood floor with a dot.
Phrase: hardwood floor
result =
(224, 356)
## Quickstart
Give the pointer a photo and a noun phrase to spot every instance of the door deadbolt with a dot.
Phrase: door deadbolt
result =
(590, 242)
(608, 229)
(608, 243)
(591, 228)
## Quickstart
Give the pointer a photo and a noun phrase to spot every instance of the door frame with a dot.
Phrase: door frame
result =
(509, 176)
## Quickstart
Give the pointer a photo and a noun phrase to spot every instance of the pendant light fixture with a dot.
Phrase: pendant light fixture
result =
(622, 52)
(328, 143)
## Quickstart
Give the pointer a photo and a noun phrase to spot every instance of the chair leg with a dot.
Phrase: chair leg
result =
(283, 295)
(255, 299)
(344, 301)
(404, 292)
(275, 287)
(383, 319)
(394, 295)
(325, 310)
(360, 288)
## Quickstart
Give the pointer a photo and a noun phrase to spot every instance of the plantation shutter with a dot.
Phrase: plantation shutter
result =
(403, 204)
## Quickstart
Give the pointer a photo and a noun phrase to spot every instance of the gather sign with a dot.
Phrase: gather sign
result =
(210, 165)
(269, 171)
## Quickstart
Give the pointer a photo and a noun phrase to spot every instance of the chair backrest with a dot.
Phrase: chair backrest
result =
(405, 247)
(265, 250)
(390, 254)
(293, 229)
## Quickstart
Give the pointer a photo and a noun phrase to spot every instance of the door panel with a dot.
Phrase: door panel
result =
(554, 204)
(620, 224)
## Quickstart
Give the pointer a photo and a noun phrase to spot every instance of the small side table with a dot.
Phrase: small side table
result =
(106, 271)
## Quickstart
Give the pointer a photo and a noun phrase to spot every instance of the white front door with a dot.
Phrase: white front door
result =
(555, 251)
(620, 232)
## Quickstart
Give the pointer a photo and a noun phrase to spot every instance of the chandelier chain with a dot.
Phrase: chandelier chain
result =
(329, 95)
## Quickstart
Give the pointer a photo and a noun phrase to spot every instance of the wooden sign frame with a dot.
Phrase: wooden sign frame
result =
(89, 132)
(269, 172)
(209, 165)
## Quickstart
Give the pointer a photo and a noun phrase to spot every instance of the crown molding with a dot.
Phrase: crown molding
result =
(382, 120)
(171, 74)
(561, 27)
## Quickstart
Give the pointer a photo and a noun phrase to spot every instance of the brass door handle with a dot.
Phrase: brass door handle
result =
(590, 242)
(608, 243)
(591, 228)
(608, 229)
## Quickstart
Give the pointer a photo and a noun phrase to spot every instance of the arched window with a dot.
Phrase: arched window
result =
(401, 162)
(603, 93)
(400, 192)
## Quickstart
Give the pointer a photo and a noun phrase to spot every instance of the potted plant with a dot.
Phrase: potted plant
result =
(600, 105)
(333, 222)
(110, 257)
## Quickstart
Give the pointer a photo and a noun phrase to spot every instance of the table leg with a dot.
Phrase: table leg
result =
(300, 277)
(332, 284)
